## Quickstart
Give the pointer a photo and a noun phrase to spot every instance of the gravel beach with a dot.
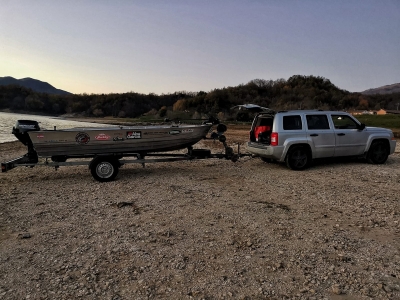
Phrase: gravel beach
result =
(205, 229)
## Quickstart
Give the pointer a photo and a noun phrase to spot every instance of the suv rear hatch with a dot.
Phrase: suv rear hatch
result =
(261, 129)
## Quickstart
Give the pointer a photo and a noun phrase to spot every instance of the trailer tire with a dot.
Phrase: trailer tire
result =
(104, 169)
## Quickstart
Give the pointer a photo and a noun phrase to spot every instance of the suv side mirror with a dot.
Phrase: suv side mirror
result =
(361, 126)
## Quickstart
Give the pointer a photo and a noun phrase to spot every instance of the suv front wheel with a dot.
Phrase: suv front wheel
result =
(298, 158)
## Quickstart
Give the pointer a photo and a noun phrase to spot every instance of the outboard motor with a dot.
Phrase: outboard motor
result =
(20, 130)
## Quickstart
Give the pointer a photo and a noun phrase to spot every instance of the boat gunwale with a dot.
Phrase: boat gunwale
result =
(122, 127)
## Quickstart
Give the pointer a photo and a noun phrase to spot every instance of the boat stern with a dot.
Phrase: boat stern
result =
(20, 130)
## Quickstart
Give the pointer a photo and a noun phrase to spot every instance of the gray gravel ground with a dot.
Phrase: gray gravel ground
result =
(209, 229)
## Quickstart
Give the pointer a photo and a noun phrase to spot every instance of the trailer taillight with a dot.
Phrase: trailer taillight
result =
(274, 139)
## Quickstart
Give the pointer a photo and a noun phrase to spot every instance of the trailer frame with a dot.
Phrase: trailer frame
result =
(104, 167)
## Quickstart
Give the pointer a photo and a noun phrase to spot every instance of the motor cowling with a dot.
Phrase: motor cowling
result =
(21, 129)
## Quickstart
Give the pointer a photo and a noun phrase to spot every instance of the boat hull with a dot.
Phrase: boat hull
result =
(116, 140)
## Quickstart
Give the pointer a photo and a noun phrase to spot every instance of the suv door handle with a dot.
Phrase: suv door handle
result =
(314, 134)
(341, 134)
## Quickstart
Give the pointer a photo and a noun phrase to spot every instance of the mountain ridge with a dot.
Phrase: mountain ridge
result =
(34, 84)
(297, 92)
(44, 87)
(386, 89)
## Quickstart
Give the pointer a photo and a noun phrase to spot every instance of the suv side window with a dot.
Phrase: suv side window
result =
(317, 122)
(343, 122)
(292, 123)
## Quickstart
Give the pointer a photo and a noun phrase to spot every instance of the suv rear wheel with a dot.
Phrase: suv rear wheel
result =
(378, 153)
(298, 158)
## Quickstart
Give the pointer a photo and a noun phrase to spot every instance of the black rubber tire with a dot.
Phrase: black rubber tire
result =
(378, 153)
(298, 158)
(104, 169)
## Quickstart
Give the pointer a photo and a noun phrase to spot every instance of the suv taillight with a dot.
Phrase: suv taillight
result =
(274, 139)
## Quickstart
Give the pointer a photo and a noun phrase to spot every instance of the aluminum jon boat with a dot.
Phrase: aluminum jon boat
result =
(107, 146)
(91, 141)
(123, 139)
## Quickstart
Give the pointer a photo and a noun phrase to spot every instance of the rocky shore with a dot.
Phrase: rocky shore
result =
(207, 229)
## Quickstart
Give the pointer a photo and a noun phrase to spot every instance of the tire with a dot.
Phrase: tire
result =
(378, 153)
(104, 169)
(298, 158)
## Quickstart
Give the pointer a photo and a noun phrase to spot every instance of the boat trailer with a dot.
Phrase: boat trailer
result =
(104, 167)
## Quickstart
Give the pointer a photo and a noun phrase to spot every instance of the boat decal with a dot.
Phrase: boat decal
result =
(174, 132)
(102, 137)
(187, 130)
(40, 136)
(134, 135)
(27, 126)
(82, 138)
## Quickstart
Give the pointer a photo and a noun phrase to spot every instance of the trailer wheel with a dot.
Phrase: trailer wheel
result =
(104, 169)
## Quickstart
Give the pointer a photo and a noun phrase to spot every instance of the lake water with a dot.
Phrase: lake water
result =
(8, 120)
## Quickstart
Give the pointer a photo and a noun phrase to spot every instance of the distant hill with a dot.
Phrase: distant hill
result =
(297, 92)
(34, 84)
(386, 89)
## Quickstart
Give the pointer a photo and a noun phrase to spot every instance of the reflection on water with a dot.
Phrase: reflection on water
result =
(8, 120)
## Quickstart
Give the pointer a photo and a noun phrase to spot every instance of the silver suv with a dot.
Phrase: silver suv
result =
(298, 137)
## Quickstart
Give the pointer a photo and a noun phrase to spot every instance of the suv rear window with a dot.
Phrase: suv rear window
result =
(292, 123)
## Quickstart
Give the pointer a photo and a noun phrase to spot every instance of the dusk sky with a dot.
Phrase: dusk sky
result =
(160, 46)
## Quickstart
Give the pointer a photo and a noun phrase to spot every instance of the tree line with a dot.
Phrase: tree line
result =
(297, 92)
